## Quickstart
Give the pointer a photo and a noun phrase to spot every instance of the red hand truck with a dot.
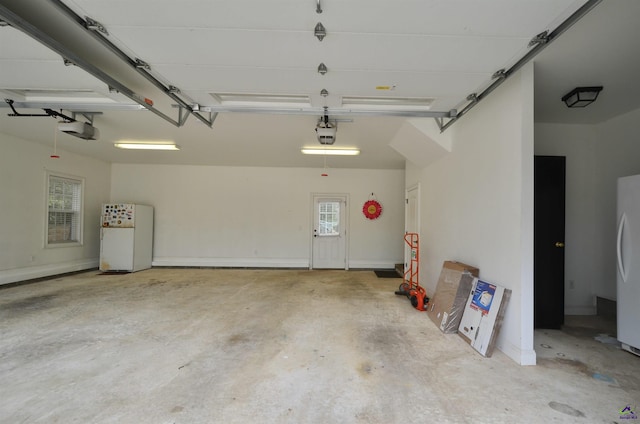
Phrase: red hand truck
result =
(410, 287)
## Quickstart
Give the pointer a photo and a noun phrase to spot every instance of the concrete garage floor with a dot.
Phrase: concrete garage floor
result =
(279, 346)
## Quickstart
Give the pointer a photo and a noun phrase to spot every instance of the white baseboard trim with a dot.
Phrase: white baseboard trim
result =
(528, 357)
(520, 356)
(580, 310)
(366, 264)
(261, 263)
(29, 273)
(231, 262)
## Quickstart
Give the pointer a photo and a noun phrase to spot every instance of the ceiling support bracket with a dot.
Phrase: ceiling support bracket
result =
(87, 115)
(141, 64)
(440, 123)
(542, 38)
(499, 74)
(184, 112)
(94, 25)
(212, 118)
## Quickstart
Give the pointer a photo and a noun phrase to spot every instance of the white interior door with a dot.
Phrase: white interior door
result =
(411, 219)
(329, 244)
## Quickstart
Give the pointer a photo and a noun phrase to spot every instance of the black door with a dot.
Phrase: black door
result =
(548, 248)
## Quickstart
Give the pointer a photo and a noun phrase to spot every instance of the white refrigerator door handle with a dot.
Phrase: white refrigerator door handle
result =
(621, 270)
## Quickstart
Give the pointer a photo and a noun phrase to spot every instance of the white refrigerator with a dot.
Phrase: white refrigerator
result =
(126, 237)
(628, 263)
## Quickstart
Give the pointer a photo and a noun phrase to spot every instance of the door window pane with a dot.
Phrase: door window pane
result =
(329, 217)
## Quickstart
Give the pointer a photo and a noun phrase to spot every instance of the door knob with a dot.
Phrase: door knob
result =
(559, 244)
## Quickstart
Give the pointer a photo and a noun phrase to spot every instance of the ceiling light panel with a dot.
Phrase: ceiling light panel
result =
(447, 88)
(253, 99)
(423, 103)
(56, 96)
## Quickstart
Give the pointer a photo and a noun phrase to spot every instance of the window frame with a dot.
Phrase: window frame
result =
(49, 175)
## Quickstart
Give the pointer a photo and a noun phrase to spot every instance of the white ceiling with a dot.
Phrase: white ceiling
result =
(600, 50)
(433, 49)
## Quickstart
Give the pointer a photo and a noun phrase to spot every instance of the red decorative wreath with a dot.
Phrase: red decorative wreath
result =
(372, 209)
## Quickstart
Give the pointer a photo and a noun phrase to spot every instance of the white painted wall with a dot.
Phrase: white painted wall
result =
(477, 205)
(23, 207)
(618, 155)
(248, 216)
(597, 155)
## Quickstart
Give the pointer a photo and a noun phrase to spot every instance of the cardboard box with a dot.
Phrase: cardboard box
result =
(483, 315)
(446, 306)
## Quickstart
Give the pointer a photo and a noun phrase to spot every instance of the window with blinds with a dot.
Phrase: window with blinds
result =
(64, 220)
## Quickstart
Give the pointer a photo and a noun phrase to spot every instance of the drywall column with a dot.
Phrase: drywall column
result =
(527, 352)
(477, 204)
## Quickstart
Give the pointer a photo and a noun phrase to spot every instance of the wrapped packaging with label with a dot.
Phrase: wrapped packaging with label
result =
(446, 306)
(483, 315)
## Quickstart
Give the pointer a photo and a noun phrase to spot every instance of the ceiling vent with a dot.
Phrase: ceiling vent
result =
(79, 129)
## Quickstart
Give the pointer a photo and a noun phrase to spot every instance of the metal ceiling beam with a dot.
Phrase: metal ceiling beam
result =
(56, 26)
(332, 111)
(213, 111)
(537, 44)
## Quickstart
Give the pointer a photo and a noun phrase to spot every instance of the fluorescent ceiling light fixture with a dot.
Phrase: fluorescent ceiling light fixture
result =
(332, 151)
(147, 146)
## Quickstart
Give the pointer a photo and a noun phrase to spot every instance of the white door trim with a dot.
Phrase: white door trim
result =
(314, 198)
(411, 192)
